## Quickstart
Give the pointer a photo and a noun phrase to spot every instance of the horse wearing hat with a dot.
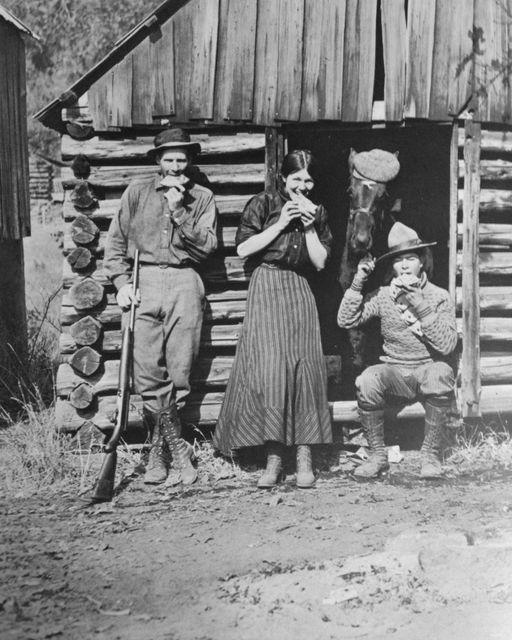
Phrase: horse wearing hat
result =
(370, 219)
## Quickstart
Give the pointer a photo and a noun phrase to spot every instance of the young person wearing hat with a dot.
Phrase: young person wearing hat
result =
(171, 220)
(419, 334)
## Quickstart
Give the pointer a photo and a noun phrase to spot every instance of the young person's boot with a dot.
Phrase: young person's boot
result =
(305, 475)
(373, 427)
(435, 419)
(270, 477)
(182, 453)
(156, 468)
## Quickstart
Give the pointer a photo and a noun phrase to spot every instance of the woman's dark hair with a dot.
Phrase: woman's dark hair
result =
(427, 262)
(298, 160)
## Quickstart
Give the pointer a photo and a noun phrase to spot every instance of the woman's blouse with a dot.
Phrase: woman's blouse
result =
(289, 249)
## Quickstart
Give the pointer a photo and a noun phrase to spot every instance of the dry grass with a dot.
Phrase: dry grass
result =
(482, 448)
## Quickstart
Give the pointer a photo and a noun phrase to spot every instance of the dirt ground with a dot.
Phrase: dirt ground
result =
(398, 558)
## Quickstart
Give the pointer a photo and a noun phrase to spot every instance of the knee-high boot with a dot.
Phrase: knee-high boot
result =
(373, 427)
(181, 451)
(435, 419)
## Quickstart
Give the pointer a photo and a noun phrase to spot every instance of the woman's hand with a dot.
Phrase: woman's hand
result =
(125, 296)
(307, 209)
(365, 267)
(289, 212)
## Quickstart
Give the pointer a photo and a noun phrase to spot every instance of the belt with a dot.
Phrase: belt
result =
(165, 265)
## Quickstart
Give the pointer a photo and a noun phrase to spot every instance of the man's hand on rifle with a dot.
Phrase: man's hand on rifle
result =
(125, 296)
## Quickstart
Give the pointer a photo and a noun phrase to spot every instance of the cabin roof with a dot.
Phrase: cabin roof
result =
(11, 19)
(267, 62)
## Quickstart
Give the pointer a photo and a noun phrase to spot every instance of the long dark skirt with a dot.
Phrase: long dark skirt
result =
(278, 385)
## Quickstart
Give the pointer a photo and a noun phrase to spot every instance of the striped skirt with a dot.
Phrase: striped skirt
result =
(278, 385)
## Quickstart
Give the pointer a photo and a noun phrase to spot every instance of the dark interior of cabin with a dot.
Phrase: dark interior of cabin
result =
(422, 186)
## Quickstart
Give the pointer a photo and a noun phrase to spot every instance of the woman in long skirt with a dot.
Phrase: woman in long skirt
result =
(277, 391)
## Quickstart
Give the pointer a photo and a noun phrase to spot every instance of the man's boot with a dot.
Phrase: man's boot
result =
(435, 419)
(373, 427)
(270, 476)
(181, 451)
(305, 475)
(156, 468)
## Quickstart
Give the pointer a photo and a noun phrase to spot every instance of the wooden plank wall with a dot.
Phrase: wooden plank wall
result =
(14, 168)
(488, 354)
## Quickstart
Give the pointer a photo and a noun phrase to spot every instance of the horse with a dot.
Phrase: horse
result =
(369, 221)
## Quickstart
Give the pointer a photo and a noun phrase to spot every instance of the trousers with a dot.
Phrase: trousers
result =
(383, 384)
(167, 334)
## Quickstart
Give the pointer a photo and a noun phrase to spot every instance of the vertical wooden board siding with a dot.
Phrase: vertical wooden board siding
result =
(195, 51)
(163, 71)
(121, 96)
(234, 82)
(420, 47)
(265, 67)
(143, 88)
(470, 375)
(289, 59)
(454, 205)
(492, 93)
(394, 39)
(98, 98)
(14, 187)
(322, 72)
(359, 60)
(452, 64)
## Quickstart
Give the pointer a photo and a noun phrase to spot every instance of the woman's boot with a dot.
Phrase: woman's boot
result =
(270, 476)
(373, 427)
(156, 468)
(181, 451)
(305, 475)
(435, 418)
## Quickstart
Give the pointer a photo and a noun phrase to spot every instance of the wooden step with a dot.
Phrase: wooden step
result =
(492, 329)
(493, 201)
(118, 177)
(491, 234)
(497, 300)
(98, 150)
(491, 263)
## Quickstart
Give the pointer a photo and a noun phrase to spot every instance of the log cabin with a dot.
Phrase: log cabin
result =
(14, 201)
(252, 78)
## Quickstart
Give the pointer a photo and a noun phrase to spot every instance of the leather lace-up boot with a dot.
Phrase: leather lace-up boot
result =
(270, 476)
(373, 427)
(305, 475)
(181, 451)
(435, 418)
(156, 468)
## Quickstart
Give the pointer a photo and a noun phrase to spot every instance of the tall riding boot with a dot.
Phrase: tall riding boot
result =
(156, 468)
(373, 427)
(181, 451)
(305, 475)
(274, 467)
(435, 419)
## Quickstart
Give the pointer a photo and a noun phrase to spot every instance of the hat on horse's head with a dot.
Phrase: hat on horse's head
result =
(376, 165)
(403, 239)
(173, 139)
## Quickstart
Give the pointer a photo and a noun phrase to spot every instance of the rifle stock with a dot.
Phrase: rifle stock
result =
(104, 488)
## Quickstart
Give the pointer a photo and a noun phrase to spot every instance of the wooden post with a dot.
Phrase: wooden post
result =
(13, 324)
(274, 154)
(471, 383)
(454, 205)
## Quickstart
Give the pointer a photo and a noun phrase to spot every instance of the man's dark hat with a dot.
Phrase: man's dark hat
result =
(402, 239)
(173, 139)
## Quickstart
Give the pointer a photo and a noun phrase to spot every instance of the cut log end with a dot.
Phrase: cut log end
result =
(86, 331)
(86, 294)
(85, 361)
(80, 259)
(81, 396)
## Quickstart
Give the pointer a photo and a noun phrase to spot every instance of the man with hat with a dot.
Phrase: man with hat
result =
(171, 220)
(419, 334)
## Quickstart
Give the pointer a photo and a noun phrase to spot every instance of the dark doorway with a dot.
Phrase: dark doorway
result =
(423, 185)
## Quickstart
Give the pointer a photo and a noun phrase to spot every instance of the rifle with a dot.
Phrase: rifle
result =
(104, 489)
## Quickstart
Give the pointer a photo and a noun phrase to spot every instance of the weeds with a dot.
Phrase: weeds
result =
(482, 447)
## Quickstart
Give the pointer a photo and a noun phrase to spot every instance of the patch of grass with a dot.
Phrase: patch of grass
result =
(481, 448)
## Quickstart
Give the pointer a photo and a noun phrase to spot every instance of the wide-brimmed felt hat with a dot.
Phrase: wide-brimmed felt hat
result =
(402, 239)
(173, 139)
(377, 165)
